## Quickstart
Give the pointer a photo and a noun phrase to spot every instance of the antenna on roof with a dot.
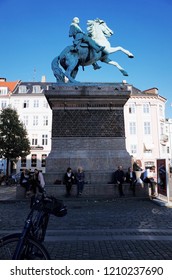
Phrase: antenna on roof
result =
(34, 74)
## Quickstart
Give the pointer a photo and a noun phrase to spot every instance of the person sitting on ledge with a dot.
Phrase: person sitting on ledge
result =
(119, 178)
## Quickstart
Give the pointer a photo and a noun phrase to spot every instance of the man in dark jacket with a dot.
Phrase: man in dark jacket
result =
(68, 180)
(119, 178)
(131, 179)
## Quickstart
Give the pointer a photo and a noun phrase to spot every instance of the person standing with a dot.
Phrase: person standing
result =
(131, 179)
(119, 178)
(38, 183)
(80, 176)
(69, 179)
(25, 181)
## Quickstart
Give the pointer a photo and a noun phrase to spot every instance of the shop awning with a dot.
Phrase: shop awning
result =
(148, 146)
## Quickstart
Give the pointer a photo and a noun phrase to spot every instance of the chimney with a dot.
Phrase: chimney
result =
(2, 80)
(151, 91)
(43, 79)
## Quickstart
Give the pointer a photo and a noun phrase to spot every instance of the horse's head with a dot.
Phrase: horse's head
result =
(98, 25)
(106, 30)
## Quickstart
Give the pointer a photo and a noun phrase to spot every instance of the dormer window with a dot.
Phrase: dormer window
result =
(3, 90)
(36, 89)
(22, 89)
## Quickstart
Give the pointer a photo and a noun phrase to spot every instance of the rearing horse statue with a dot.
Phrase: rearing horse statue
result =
(70, 58)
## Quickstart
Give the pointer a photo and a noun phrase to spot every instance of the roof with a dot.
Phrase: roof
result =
(10, 85)
(153, 90)
(29, 87)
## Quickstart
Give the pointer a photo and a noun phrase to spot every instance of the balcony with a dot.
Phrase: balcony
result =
(164, 138)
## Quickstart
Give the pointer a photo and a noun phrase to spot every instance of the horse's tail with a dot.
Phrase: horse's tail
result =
(58, 73)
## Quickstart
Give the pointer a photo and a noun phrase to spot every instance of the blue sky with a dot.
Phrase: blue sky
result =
(33, 32)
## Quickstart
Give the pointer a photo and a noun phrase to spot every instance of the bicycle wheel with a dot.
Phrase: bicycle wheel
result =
(32, 249)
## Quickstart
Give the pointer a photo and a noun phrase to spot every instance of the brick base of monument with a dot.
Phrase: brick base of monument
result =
(87, 131)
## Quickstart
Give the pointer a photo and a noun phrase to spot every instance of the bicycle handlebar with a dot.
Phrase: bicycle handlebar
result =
(49, 205)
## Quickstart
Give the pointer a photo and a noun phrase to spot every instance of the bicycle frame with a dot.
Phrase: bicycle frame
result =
(28, 243)
(31, 228)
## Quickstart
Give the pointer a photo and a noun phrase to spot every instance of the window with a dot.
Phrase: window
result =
(3, 90)
(36, 89)
(44, 139)
(161, 128)
(23, 162)
(34, 139)
(147, 130)
(132, 128)
(22, 89)
(163, 149)
(45, 104)
(132, 108)
(43, 161)
(16, 103)
(35, 120)
(45, 120)
(26, 104)
(133, 149)
(161, 111)
(25, 120)
(36, 103)
(166, 129)
(3, 104)
(33, 160)
(146, 108)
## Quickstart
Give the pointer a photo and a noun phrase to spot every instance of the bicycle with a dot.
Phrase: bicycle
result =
(27, 245)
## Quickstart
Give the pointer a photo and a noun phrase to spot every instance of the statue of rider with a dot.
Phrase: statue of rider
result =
(79, 36)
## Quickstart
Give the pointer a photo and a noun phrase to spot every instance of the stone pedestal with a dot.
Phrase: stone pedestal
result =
(87, 130)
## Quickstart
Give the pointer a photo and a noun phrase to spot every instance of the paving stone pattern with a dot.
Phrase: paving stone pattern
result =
(120, 228)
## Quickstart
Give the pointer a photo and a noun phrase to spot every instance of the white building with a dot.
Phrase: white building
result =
(168, 144)
(33, 110)
(144, 115)
(6, 90)
(35, 113)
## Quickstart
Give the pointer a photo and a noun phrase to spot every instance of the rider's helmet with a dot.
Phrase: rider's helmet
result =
(76, 19)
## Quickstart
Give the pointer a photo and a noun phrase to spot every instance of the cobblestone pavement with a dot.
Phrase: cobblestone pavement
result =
(120, 228)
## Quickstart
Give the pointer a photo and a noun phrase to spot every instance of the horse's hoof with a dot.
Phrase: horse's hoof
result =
(131, 56)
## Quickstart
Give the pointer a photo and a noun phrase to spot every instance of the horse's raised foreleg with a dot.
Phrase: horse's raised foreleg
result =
(111, 62)
(116, 49)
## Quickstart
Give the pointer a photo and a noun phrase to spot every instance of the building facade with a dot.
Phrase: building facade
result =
(6, 90)
(33, 110)
(144, 115)
(168, 144)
